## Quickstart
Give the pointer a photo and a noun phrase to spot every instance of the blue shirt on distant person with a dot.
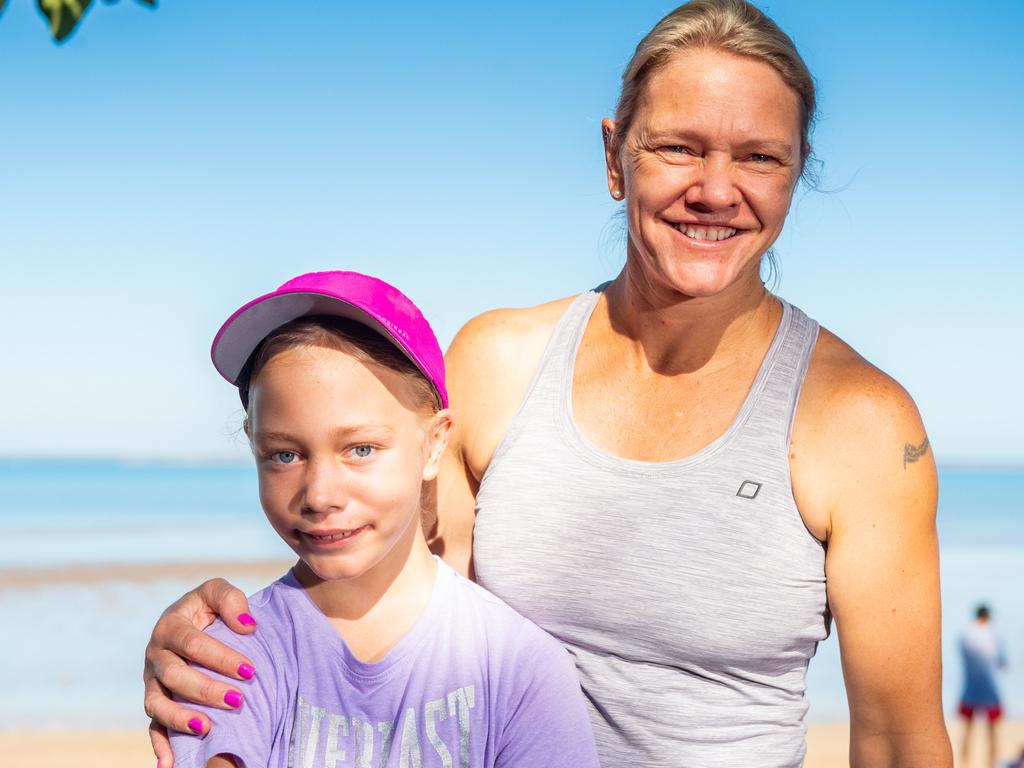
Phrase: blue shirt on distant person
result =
(982, 656)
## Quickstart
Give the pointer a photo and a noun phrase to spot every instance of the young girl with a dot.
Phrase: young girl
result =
(370, 651)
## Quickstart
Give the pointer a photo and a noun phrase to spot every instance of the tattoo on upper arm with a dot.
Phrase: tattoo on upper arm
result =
(912, 453)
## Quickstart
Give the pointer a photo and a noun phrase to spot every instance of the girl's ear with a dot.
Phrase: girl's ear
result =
(438, 432)
(247, 431)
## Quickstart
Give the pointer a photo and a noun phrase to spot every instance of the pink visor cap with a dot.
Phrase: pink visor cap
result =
(358, 297)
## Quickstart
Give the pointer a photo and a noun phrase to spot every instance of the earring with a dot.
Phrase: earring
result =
(617, 193)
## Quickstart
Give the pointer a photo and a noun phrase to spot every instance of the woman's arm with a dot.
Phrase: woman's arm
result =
(863, 464)
(489, 367)
(178, 636)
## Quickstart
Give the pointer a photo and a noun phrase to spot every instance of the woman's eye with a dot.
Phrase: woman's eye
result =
(761, 158)
(284, 457)
(678, 154)
(362, 451)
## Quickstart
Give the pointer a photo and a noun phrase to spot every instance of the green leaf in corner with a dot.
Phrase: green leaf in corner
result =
(64, 15)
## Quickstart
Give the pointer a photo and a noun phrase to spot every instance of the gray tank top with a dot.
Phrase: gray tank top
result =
(689, 592)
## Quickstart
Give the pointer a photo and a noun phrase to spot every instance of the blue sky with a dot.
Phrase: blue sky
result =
(162, 167)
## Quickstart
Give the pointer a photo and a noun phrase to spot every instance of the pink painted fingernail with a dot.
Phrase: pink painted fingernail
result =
(246, 620)
(246, 671)
(196, 725)
(233, 699)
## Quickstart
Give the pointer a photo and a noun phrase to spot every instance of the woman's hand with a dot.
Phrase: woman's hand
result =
(178, 636)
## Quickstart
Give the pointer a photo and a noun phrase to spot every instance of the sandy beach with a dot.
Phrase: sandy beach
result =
(828, 744)
(826, 747)
(32, 747)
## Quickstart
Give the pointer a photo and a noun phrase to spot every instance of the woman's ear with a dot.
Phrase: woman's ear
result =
(438, 431)
(616, 183)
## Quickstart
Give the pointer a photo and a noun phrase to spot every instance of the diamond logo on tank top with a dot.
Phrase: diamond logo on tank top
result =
(748, 489)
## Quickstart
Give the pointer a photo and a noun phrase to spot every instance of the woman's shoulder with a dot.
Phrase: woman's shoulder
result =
(856, 428)
(506, 331)
(489, 367)
(842, 386)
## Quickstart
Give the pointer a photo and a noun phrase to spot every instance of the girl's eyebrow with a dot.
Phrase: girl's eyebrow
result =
(374, 428)
(281, 437)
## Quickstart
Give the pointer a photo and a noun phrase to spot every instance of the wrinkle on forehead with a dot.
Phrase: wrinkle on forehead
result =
(717, 97)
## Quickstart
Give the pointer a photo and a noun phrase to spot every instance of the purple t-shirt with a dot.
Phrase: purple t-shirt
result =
(472, 685)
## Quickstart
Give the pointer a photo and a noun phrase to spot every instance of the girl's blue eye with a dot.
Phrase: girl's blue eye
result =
(284, 457)
(363, 451)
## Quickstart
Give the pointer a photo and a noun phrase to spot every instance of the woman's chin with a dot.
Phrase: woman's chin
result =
(706, 281)
(700, 274)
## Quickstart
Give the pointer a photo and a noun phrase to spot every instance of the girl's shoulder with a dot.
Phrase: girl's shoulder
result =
(277, 609)
(506, 631)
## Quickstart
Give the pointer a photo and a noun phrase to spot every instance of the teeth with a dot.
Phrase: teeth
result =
(333, 536)
(707, 233)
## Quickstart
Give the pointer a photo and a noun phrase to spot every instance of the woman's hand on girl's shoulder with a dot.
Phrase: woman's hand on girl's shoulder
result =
(177, 638)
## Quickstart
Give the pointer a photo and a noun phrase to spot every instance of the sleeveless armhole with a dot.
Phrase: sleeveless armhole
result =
(801, 374)
(803, 363)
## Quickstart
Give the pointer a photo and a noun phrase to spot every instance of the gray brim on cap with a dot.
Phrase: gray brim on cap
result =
(242, 334)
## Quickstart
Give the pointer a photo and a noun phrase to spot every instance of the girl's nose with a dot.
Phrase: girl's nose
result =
(324, 489)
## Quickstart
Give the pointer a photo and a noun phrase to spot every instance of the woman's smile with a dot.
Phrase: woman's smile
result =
(705, 234)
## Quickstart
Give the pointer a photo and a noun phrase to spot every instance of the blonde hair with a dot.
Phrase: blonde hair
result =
(732, 26)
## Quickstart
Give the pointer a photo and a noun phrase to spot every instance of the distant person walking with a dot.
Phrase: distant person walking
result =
(982, 655)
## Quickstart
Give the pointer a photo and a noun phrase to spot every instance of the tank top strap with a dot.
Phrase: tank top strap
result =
(776, 390)
(542, 401)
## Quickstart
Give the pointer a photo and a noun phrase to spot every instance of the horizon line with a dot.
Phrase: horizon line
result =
(229, 461)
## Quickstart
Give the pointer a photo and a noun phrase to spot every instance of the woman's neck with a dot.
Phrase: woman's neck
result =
(679, 334)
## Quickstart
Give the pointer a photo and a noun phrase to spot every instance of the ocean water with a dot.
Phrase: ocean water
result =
(73, 650)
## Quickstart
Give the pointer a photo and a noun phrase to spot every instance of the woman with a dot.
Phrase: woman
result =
(677, 474)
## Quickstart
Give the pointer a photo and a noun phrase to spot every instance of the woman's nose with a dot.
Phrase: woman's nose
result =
(713, 188)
